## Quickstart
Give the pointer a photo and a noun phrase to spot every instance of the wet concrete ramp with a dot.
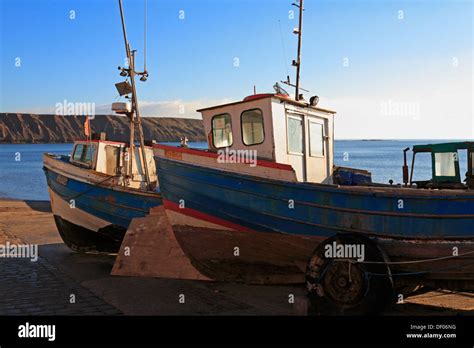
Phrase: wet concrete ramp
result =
(150, 249)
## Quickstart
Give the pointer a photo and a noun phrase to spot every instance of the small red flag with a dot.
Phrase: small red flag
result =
(87, 127)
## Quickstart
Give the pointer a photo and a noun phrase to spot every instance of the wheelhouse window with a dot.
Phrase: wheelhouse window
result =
(445, 163)
(222, 131)
(295, 135)
(316, 139)
(422, 170)
(84, 153)
(252, 127)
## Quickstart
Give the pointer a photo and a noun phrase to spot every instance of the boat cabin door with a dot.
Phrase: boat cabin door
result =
(295, 125)
(308, 147)
(316, 156)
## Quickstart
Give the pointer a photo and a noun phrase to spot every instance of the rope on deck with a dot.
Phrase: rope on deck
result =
(410, 262)
(350, 261)
(93, 186)
(418, 272)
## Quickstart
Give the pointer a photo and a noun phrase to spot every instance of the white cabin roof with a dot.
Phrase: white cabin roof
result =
(282, 97)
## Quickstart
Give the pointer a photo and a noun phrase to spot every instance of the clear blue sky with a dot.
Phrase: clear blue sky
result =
(193, 59)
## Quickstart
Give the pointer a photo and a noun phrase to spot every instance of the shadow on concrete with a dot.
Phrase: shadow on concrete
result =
(154, 296)
(79, 266)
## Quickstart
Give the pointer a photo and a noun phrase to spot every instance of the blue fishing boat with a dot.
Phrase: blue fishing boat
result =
(97, 190)
(279, 221)
(92, 201)
(265, 203)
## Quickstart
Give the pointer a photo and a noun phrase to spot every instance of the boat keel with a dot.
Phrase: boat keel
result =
(107, 239)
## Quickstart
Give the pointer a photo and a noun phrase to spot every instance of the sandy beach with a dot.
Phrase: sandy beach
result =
(43, 287)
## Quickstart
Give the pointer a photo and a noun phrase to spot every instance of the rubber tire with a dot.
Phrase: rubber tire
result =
(364, 294)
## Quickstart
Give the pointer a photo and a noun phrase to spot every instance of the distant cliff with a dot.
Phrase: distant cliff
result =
(31, 128)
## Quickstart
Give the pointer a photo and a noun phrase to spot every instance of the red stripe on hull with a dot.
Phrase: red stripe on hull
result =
(169, 205)
(209, 154)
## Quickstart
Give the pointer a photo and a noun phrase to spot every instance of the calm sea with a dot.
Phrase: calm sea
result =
(21, 174)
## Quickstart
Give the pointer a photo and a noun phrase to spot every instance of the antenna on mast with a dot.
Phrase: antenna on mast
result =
(297, 62)
(145, 15)
(134, 115)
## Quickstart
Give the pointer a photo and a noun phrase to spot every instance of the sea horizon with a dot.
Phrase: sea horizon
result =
(21, 175)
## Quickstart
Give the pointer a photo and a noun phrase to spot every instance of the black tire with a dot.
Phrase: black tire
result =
(340, 287)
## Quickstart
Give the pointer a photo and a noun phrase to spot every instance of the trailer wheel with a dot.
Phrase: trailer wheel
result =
(345, 286)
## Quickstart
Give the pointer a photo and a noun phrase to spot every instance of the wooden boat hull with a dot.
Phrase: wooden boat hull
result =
(91, 216)
(277, 224)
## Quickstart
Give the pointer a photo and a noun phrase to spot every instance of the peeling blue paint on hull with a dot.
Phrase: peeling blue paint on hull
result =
(114, 208)
(256, 212)
(319, 210)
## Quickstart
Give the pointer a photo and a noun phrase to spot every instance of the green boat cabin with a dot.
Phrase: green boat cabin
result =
(445, 168)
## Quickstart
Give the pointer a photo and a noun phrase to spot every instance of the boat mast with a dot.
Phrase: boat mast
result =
(135, 110)
(297, 63)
